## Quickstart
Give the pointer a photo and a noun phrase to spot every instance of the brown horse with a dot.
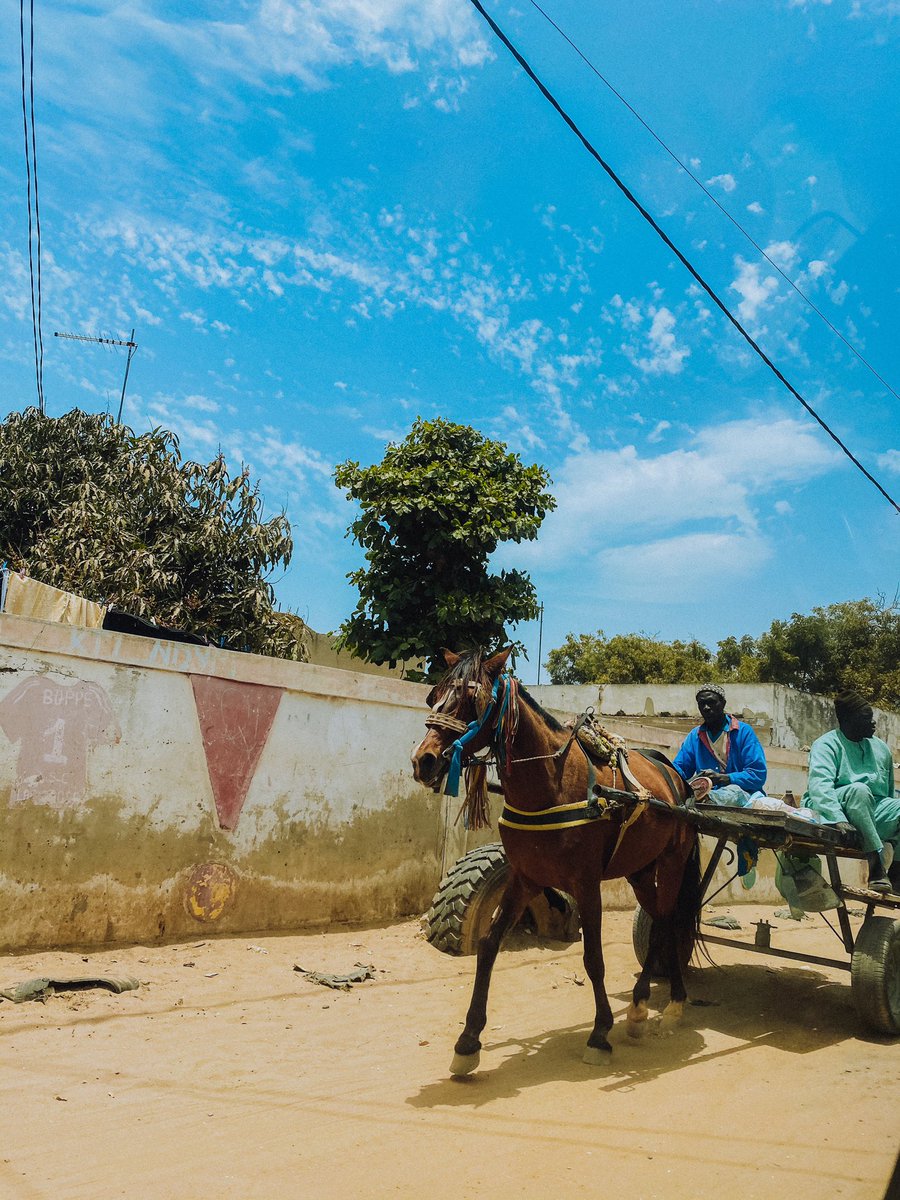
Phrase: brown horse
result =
(557, 834)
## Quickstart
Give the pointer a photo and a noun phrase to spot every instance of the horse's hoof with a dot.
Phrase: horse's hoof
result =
(596, 1056)
(636, 1019)
(465, 1064)
(671, 1017)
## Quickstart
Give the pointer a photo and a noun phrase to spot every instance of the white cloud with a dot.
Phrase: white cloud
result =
(755, 207)
(755, 289)
(666, 355)
(307, 39)
(713, 486)
(663, 569)
(783, 254)
(658, 430)
(783, 508)
(874, 8)
(890, 461)
(201, 403)
(658, 351)
(817, 268)
(726, 182)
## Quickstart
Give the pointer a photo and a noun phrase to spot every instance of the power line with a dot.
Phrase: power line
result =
(722, 209)
(720, 304)
(34, 218)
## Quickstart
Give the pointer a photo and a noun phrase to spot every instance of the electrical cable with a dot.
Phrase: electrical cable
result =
(37, 220)
(722, 209)
(31, 241)
(719, 303)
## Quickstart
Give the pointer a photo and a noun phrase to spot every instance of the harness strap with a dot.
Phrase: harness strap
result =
(560, 816)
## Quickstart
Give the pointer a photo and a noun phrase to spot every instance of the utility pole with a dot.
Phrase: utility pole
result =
(132, 346)
(540, 641)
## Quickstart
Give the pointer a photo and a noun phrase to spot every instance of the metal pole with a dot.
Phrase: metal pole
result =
(540, 640)
(131, 350)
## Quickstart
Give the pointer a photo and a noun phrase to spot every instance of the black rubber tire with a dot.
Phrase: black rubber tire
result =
(875, 974)
(469, 894)
(640, 939)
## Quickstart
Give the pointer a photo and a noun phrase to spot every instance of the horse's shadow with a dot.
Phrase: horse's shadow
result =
(732, 1011)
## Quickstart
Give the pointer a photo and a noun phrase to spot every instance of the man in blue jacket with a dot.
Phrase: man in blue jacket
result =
(723, 750)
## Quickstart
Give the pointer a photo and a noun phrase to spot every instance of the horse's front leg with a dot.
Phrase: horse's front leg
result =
(591, 910)
(467, 1051)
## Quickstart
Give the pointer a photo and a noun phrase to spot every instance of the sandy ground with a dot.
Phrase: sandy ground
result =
(228, 1074)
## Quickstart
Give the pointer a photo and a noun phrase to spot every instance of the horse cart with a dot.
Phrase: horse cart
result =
(463, 905)
(579, 808)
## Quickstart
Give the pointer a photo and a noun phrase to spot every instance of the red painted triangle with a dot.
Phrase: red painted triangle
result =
(235, 719)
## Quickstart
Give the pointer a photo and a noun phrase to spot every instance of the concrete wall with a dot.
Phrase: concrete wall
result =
(153, 789)
(781, 716)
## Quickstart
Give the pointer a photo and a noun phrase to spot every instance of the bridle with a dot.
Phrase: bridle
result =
(501, 706)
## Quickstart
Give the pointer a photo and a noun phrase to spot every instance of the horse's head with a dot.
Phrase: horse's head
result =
(462, 695)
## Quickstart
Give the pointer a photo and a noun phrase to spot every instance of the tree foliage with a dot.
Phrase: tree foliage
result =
(92, 507)
(854, 644)
(628, 658)
(431, 514)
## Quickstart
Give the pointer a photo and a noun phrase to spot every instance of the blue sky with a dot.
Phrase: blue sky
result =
(326, 219)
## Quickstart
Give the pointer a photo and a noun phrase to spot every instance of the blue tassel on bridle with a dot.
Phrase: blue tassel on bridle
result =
(456, 749)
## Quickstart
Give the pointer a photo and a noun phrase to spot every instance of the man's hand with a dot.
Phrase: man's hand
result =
(719, 779)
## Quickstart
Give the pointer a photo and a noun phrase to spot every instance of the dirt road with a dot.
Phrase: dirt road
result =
(228, 1074)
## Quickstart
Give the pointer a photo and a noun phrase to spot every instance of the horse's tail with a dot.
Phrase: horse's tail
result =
(689, 905)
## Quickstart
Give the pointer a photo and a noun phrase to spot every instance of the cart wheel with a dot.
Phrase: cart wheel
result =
(640, 939)
(875, 974)
(470, 892)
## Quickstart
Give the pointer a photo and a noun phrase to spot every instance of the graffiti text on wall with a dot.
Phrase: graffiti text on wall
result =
(56, 725)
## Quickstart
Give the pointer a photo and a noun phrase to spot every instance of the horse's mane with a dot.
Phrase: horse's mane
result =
(470, 669)
(548, 719)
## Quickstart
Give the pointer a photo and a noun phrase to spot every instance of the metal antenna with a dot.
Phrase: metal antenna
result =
(132, 346)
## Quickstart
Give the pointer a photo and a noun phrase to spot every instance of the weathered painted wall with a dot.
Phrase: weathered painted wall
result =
(152, 789)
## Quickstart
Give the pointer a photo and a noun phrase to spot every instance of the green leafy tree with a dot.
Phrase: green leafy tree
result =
(431, 514)
(629, 658)
(737, 660)
(91, 507)
(854, 644)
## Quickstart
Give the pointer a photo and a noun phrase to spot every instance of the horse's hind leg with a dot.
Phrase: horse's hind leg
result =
(644, 884)
(680, 879)
(590, 908)
(467, 1050)
(669, 892)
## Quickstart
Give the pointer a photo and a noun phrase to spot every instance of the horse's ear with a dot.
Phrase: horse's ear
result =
(450, 658)
(497, 662)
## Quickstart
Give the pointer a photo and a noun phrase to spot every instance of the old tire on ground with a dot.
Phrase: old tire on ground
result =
(875, 974)
(470, 892)
(640, 939)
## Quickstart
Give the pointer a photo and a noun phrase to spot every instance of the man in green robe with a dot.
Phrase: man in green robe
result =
(851, 778)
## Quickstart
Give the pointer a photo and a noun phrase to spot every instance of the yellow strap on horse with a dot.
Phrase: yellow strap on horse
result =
(643, 795)
(559, 816)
